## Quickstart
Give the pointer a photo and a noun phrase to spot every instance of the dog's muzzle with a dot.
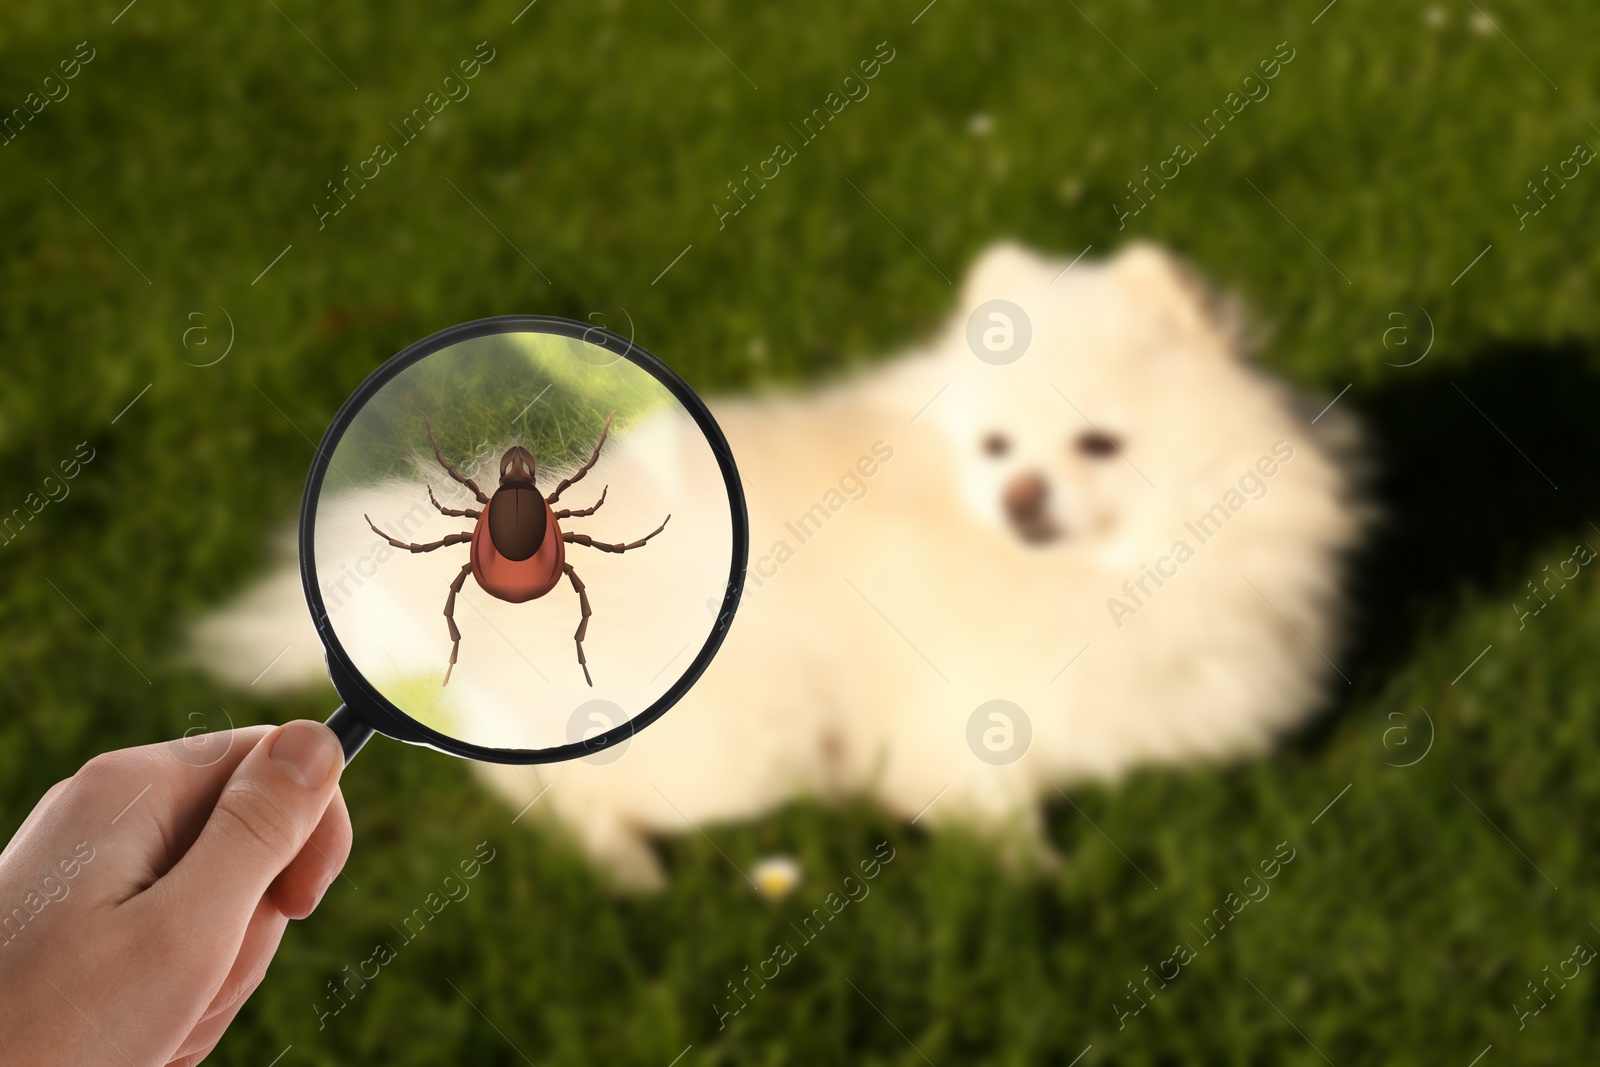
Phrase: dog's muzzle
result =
(1024, 498)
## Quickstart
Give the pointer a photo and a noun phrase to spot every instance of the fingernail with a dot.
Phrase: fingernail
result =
(307, 752)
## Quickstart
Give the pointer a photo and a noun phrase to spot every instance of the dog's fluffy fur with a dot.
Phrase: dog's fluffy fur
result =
(983, 560)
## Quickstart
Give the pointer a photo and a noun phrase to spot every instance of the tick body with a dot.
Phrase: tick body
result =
(518, 549)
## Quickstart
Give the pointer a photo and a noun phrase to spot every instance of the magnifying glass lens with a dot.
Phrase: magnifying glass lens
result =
(524, 541)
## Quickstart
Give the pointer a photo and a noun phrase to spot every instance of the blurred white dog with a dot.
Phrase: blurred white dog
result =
(1074, 534)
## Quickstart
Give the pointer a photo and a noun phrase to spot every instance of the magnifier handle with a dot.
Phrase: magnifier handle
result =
(352, 732)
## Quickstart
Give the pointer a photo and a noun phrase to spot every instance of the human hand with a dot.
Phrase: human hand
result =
(142, 899)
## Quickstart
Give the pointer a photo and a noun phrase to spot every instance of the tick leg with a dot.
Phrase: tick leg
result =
(452, 511)
(589, 542)
(450, 617)
(583, 624)
(453, 539)
(585, 513)
(457, 475)
(577, 475)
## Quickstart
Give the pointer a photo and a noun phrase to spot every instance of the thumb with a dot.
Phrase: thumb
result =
(263, 818)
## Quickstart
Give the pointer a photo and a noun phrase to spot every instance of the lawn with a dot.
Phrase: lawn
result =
(586, 171)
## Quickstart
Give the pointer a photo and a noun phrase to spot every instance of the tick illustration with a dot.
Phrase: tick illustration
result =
(518, 547)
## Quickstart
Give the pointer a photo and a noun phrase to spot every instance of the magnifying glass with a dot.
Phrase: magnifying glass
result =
(522, 540)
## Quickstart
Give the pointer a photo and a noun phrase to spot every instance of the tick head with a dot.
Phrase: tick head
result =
(516, 466)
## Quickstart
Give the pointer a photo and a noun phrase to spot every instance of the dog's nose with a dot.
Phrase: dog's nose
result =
(1025, 495)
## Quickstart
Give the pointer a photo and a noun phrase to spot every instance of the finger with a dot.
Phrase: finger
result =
(152, 785)
(192, 1061)
(185, 769)
(260, 942)
(206, 1034)
(192, 771)
(298, 890)
(262, 819)
(209, 1031)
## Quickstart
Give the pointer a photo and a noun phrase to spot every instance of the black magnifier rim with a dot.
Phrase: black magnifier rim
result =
(360, 695)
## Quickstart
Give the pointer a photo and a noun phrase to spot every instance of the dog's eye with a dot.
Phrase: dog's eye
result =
(1097, 445)
(996, 445)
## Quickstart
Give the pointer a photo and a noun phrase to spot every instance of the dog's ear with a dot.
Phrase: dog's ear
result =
(1003, 270)
(1178, 298)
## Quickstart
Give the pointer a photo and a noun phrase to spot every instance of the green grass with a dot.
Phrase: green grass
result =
(597, 140)
(493, 382)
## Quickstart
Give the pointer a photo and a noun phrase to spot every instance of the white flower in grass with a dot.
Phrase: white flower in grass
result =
(776, 876)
